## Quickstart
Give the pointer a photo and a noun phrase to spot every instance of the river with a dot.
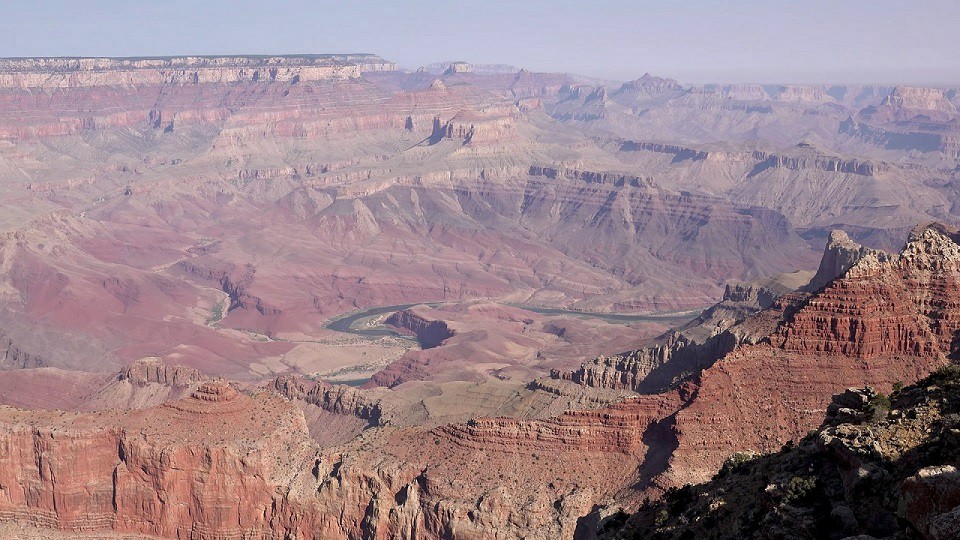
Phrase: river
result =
(348, 323)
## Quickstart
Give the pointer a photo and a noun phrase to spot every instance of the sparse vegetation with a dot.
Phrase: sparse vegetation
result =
(735, 463)
(878, 407)
(799, 490)
(216, 313)
(679, 499)
(946, 376)
(810, 490)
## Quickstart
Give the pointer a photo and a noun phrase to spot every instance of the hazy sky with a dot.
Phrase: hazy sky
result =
(694, 40)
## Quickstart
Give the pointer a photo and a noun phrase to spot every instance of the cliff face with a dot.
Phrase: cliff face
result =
(337, 399)
(221, 464)
(209, 466)
(840, 254)
(886, 320)
(179, 470)
(428, 332)
(877, 467)
(53, 73)
(767, 379)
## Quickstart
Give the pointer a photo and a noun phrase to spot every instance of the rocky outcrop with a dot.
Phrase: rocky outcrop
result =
(334, 398)
(458, 67)
(751, 294)
(155, 371)
(877, 468)
(904, 305)
(650, 369)
(650, 84)
(694, 346)
(209, 466)
(223, 464)
(16, 358)
(624, 427)
(429, 332)
(886, 319)
(839, 255)
(591, 177)
(918, 99)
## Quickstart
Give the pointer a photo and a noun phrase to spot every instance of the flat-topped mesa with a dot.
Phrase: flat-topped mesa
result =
(337, 398)
(924, 99)
(591, 177)
(158, 471)
(429, 332)
(89, 72)
(212, 398)
(492, 125)
(804, 93)
(739, 92)
(680, 152)
(817, 162)
(620, 428)
(802, 157)
(154, 370)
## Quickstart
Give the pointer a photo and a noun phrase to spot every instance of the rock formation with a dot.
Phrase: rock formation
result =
(178, 469)
(170, 224)
(883, 467)
(840, 254)
(50, 73)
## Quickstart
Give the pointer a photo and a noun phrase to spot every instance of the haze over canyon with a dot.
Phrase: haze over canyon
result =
(320, 296)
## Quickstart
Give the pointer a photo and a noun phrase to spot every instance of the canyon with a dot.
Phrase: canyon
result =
(177, 235)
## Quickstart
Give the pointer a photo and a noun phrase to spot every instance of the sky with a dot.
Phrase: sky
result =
(695, 41)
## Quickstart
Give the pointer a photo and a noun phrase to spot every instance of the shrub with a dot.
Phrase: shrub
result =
(735, 463)
(878, 407)
(947, 375)
(679, 499)
(799, 490)
(662, 518)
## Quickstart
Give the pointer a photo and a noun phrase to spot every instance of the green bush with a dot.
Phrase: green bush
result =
(734, 463)
(948, 375)
(878, 407)
(216, 313)
(679, 499)
(799, 490)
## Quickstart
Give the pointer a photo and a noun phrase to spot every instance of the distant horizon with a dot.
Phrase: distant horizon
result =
(882, 42)
(687, 82)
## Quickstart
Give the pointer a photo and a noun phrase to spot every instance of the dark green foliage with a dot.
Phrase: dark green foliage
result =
(734, 463)
(679, 499)
(799, 490)
(216, 313)
(946, 376)
(878, 407)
